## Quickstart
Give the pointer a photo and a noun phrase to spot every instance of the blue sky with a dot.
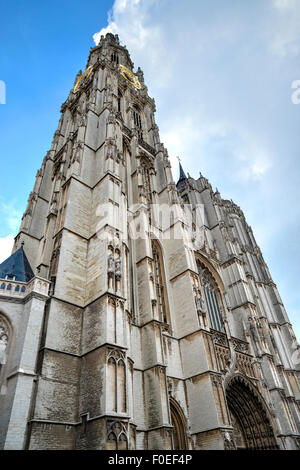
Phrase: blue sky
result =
(229, 64)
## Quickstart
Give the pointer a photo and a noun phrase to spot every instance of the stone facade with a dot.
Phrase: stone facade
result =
(152, 321)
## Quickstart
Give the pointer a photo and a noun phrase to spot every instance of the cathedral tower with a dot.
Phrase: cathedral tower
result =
(136, 313)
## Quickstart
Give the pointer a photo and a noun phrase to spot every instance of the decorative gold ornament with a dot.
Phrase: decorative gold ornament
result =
(130, 77)
(83, 78)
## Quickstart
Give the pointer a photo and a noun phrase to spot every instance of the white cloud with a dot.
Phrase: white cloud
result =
(285, 4)
(6, 245)
(223, 99)
(286, 31)
(186, 138)
(131, 20)
(10, 216)
(10, 221)
(255, 160)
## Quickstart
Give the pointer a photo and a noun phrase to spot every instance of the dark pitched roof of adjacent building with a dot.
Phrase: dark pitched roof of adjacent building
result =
(17, 265)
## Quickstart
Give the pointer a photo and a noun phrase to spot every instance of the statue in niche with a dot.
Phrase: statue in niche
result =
(254, 335)
(118, 273)
(110, 150)
(83, 115)
(110, 269)
(93, 99)
(140, 75)
(82, 120)
(53, 204)
(112, 116)
(200, 305)
(77, 153)
(76, 158)
(216, 249)
(252, 329)
(108, 94)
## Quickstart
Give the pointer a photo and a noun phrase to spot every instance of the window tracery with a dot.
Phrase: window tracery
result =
(212, 297)
(120, 102)
(146, 180)
(137, 121)
(114, 58)
(116, 371)
(159, 282)
(117, 435)
(179, 426)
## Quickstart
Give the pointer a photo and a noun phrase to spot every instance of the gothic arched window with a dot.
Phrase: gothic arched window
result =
(146, 180)
(159, 281)
(114, 58)
(137, 120)
(212, 297)
(116, 375)
(112, 384)
(179, 426)
(117, 438)
(119, 101)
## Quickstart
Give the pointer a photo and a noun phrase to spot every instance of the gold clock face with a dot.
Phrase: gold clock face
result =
(83, 78)
(130, 77)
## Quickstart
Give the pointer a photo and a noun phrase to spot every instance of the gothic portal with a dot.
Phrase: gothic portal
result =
(136, 313)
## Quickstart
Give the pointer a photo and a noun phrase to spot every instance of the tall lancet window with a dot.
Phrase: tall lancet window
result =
(114, 58)
(137, 120)
(146, 180)
(212, 297)
(120, 101)
(116, 381)
(159, 281)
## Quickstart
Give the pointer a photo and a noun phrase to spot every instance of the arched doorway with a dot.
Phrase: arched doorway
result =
(179, 426)
(251, 420)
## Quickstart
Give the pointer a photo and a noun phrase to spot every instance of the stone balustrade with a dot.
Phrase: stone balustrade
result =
(243, 357)
(13, 288)
(18, 289)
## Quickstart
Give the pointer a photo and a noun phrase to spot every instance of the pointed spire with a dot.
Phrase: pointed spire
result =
(182, 175)
(181, 183)
(17, 267)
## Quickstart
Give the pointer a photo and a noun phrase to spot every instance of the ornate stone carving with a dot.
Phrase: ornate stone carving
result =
(117, 354)
(118, 269)
(228, 441)
(4, 331)
(200, 305)
(77, 151)
(240, 346)
(111, 266)
(117, 431)
(170, 385)
(220, 338)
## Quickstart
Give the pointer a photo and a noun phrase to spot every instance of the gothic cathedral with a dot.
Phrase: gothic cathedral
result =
(136, 313)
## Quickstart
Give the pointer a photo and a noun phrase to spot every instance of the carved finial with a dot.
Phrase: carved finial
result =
(140, 75)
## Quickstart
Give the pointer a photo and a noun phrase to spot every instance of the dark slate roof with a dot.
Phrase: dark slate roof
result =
(17, 265)
(181, 183)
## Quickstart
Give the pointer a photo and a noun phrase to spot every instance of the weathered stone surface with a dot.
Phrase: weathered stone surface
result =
(152, 320)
